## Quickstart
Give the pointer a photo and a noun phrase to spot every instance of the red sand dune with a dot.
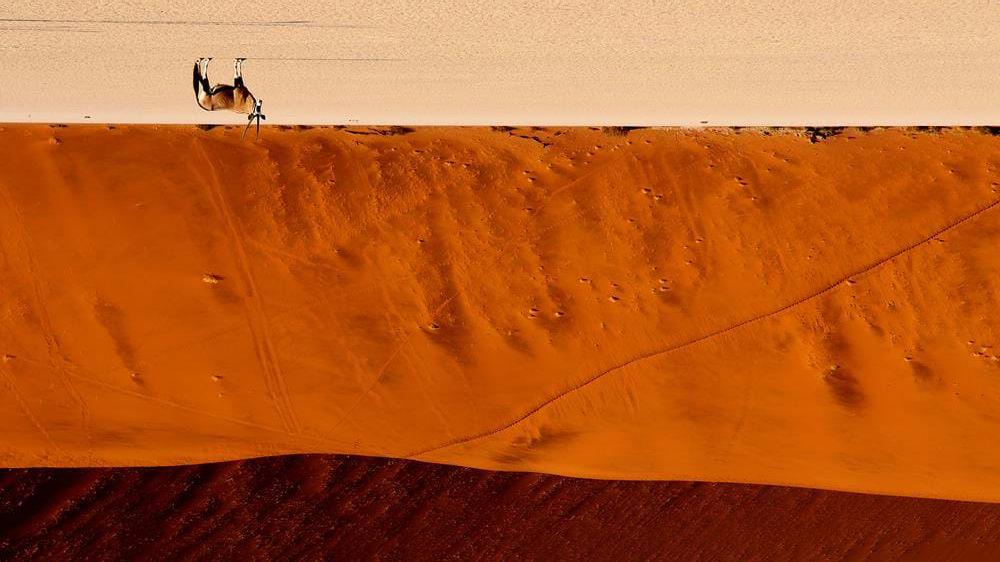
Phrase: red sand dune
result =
(666, 304)
(352, 508)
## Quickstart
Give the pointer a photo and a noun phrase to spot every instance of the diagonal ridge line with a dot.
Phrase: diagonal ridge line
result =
(648, 355)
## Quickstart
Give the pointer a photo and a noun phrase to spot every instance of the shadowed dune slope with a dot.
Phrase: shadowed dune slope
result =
(789, 307)
(353, 508)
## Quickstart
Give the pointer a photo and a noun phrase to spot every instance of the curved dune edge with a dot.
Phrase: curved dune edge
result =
(812, 308)
(321, 506)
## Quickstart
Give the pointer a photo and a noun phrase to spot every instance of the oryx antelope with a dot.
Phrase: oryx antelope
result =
(235, 98)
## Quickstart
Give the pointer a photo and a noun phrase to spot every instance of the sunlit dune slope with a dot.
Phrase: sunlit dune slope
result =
(755, 306)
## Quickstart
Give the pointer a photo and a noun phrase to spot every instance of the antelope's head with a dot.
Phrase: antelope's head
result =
(255, 114)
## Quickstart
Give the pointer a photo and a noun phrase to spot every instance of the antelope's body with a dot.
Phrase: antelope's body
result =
(222, 96)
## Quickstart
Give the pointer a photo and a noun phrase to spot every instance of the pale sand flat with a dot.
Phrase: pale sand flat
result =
(570, 62)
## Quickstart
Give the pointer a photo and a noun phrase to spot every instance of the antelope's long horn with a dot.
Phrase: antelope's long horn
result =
(245, 129)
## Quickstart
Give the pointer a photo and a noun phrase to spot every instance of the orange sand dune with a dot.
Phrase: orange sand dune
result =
(665, 304)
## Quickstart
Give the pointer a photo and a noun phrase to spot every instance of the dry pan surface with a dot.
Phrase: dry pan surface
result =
(757, 306)
(468, 62)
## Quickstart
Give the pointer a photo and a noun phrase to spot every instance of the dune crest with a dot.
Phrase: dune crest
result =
(813, 308)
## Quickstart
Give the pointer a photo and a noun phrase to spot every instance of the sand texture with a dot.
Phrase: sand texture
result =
(352, 508)
(468, 62)
(800, 308)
